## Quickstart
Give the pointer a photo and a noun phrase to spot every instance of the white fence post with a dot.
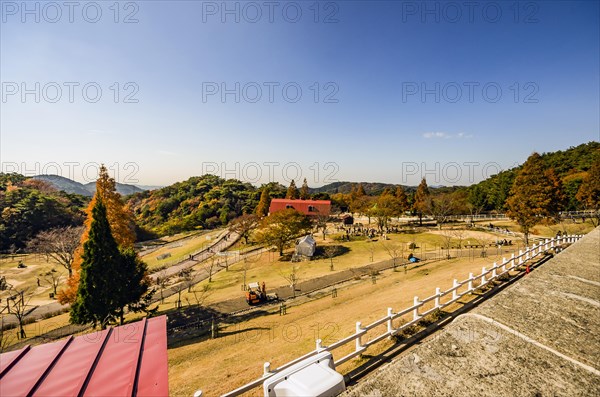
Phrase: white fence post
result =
(494, 271)
(319, 345)
(416, 311)
(437, 297)
(483, 271)
(520, 257)
(454, 288)
(266, 368)
(358, 339)
(470, 285)
(390, 313)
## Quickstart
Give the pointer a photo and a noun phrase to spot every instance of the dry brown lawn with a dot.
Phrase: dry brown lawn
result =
(220, 365)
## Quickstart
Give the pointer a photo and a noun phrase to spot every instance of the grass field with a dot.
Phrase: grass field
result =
(26, 278)
(222, 364)
(548, 230)
(180, 249)
(267, 266)
(225, 363)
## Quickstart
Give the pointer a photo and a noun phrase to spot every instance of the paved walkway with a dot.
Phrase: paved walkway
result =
(222, 243)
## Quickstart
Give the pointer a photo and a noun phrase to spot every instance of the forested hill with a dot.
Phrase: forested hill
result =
(199, 202)
(571, 165)
(29, 206)
(371, 188)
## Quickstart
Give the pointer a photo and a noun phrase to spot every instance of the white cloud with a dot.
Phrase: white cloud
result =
(429, 135)
(446, 135)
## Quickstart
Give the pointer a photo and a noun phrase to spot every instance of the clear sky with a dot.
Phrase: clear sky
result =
(342, 90)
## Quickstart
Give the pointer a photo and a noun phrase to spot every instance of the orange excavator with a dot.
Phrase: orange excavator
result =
(256, 294)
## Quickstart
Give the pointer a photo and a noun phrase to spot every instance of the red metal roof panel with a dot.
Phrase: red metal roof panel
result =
(24, 375)
(115, 372)
(130, 360)
(69, 373)
(153, 380)
(10, 357)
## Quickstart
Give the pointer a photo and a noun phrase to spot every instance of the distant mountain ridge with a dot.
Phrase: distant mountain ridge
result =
(70, 186)
(371, 188)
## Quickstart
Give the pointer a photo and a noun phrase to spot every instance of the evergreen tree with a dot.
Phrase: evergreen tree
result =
(134, 283)
(110, 279)
(262, 209)
(292, 192)
(421, 202)
(121, 224)
(531, 195)
(97, 298)
(304, 194)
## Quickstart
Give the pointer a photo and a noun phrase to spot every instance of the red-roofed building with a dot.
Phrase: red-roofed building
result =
(130, 360)
(307, 207)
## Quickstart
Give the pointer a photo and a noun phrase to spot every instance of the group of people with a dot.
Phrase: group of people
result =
(360, 230)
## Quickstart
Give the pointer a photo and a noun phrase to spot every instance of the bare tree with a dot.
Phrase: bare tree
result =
(246, 263)
(162, 280)
(292, 278)
(371, 249)
(18, 305)
(447, 236)
(330, 252)
(321, 224)
(440, 208)
(53, 278)
(394, 251)
(243, 225)
(6, 336)
(459, 234)
(200, 295)
(59, 244)
(210, 268)
(187, 276)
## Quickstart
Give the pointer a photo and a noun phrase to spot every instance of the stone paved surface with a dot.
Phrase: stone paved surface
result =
(539, 337)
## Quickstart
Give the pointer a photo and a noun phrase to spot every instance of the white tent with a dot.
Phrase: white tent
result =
(306, 246)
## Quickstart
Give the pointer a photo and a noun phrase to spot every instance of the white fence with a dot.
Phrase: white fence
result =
(415, 313)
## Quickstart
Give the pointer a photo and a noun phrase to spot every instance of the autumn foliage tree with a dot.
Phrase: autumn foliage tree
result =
(121, 224)
(359, 201)
(532, 194)
(588, 193)
(262, 209)
(385, 207)
(402, 199)
(421, 203)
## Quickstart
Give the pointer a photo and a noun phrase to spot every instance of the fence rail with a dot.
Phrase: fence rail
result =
(485, 277)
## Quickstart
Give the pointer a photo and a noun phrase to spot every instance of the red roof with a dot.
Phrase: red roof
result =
(130, 360)
(307, 207)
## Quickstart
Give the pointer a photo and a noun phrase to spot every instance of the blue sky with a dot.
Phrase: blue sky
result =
(405, 89)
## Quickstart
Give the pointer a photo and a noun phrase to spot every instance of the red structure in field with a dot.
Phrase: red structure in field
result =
(307, 207)
(130, 360)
